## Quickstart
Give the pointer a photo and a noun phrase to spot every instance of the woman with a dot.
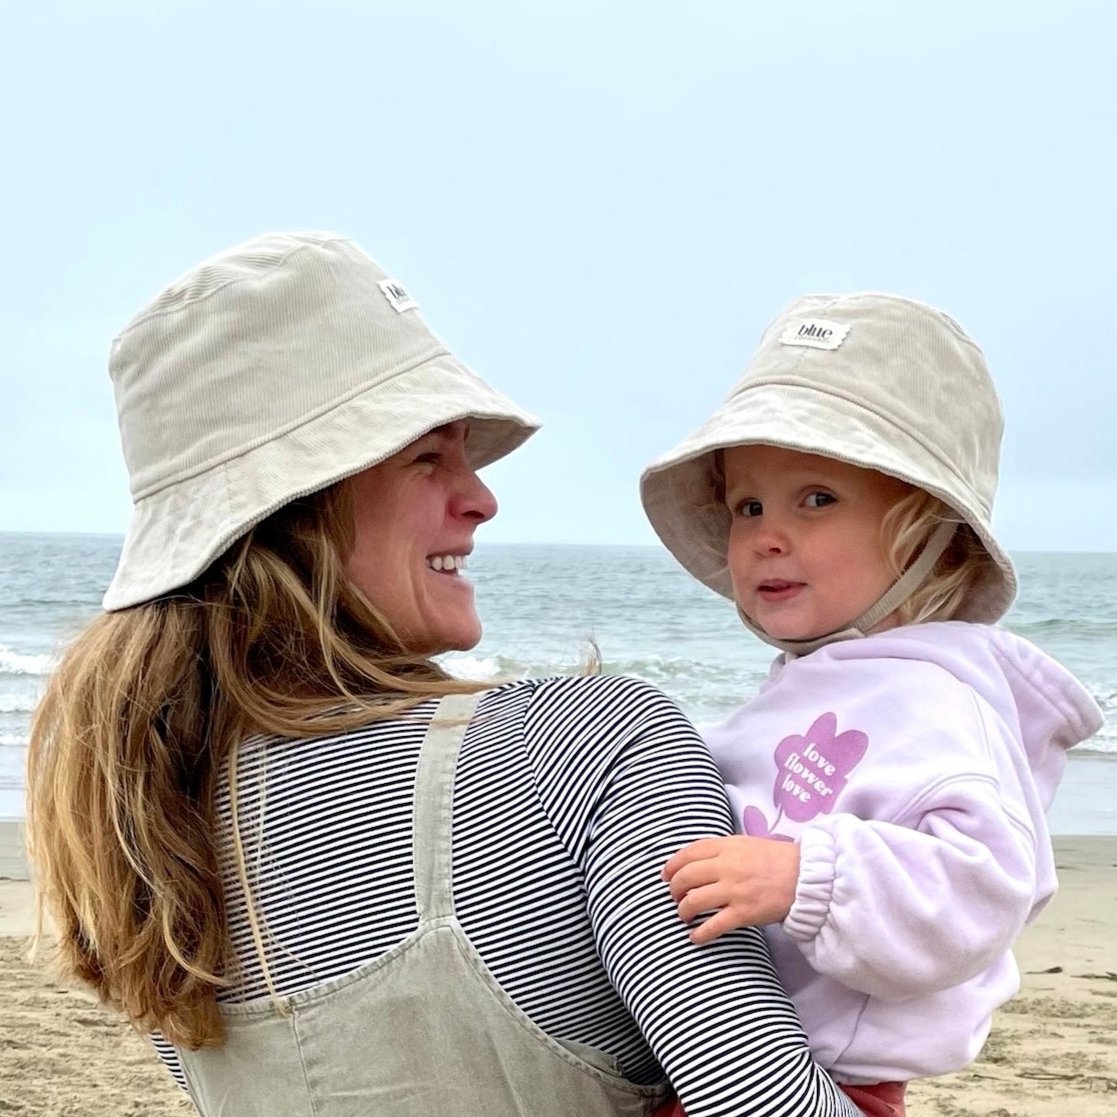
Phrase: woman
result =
(259, 833)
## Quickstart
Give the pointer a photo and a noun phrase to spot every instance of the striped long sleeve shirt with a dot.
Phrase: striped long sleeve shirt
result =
(570, 794)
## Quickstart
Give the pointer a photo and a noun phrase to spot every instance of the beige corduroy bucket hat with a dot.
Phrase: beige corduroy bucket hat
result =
(265, 373)
(882, 382)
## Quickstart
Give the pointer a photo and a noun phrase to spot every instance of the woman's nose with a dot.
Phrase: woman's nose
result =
(475, 500)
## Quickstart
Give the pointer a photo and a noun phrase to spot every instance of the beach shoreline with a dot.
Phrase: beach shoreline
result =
(1051, 1051)
(1085, 801)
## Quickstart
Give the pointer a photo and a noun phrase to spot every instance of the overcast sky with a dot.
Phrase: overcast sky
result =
(597, 205)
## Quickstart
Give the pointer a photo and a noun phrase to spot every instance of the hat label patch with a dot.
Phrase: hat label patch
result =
(815, 333)
(398, 299)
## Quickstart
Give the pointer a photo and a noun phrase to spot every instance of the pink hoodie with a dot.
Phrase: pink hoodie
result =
(915, 768)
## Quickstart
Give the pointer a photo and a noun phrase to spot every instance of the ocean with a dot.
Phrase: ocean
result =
(543, 605)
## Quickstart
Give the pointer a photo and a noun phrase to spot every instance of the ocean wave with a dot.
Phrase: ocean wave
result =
(1080, 629)
(611, 664)
(1096, 746)
(86, 601)
(18, 703)
(14, 663)
(503, 668)
(662, 670)
(1105, 740)
(1104, 696)
(476, 668)
(674, 668)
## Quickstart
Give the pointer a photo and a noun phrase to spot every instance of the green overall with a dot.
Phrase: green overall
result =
(422, 1031)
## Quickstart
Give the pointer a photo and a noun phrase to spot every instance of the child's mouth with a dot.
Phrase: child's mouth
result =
(778, 590)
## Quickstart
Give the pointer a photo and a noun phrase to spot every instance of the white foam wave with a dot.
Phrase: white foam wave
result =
(477, 668)
(1105, 740)
(17, 703)
(1104, 696)
(14, 663)
(13, 740)
(1097, 746)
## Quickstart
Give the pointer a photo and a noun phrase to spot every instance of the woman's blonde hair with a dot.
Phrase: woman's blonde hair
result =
(142, 714)
(907, 527)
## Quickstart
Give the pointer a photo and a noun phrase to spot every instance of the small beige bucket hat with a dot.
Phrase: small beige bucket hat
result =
(265, 373)
(882, 382)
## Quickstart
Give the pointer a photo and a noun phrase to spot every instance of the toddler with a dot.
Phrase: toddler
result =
(891, 778)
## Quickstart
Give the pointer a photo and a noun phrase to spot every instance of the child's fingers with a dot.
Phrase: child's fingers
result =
(714, 927)
(695, 875)
(700, 850)
(699, 900)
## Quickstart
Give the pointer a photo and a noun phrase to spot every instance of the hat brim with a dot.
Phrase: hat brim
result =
(178, 531)
(679, 490)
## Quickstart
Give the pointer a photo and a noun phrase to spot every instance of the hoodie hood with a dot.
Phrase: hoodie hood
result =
(1044, 706)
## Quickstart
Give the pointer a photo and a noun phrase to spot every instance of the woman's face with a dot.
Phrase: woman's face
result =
(414, 518)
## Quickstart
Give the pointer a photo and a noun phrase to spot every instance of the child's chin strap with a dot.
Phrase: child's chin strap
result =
(901, 590)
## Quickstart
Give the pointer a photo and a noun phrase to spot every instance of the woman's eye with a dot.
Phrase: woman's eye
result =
(750, 508)
(431, 457)
(819, 500)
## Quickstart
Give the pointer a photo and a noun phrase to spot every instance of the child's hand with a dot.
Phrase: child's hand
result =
(749, 881)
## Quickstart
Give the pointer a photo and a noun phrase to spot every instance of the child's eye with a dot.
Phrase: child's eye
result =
(750, 508)
(819, 500)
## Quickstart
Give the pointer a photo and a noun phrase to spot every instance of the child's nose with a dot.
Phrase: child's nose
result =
(771, 539)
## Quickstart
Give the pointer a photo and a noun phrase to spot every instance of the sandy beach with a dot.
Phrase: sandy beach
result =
(1053, 1050)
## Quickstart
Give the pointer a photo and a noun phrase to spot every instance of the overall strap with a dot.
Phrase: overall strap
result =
(434, 801)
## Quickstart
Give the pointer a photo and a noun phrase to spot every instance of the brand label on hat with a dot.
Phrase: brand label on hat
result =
(815, 333)
(398, 299)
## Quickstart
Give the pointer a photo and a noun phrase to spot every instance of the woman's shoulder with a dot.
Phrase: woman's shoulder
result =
(590, 742)
(564, 717)
(582, 691)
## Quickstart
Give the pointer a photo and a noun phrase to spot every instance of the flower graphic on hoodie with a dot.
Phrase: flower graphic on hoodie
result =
(811, 770)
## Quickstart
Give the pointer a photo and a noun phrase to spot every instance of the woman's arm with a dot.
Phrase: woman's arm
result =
(716, 1016)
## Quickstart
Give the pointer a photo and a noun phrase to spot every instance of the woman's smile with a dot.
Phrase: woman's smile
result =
(414, 518)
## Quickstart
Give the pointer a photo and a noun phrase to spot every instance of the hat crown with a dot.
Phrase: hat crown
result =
(901, 360)
(253, 342)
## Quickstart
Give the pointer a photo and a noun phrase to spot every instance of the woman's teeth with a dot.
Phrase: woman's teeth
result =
(447, 563)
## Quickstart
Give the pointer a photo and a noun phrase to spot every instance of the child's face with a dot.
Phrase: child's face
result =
(805, 549)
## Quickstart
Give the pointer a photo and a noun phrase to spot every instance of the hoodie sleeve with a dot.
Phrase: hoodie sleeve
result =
(932, 898)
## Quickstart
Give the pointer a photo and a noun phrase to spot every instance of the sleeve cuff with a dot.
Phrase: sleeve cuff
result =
(815, 887)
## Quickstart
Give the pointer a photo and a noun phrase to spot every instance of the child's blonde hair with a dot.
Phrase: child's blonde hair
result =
(906, 528)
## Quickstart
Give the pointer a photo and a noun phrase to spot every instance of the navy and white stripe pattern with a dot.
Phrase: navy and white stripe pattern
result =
(570, 795)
